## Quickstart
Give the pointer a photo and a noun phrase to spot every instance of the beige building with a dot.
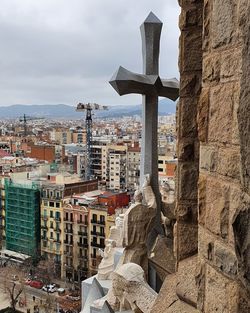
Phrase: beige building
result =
(98, 230)
(75, 242)
(78, 135)
(61, 136)
(58, 227)
(133, 167)
(2, 212)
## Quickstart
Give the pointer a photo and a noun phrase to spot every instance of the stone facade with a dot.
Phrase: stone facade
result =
(211, 235)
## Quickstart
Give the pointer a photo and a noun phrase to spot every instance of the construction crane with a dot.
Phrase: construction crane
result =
(25, 118)
(88, 107)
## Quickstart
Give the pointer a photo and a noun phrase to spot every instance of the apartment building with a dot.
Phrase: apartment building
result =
(166, 166)
(133, 167)
(102, 217)
(117, 169)
(98, 157)
(61, 136)
(22, 217)
(75, 243)
(2, 212)
(97, 233)
(57, 228)
(51, 224)
(78, 135)
(46, 152)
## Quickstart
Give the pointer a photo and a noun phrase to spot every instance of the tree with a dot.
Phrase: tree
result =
(13, 279)
(46, 272)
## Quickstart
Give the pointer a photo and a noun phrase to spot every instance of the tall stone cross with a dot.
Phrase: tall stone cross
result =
(150, 86)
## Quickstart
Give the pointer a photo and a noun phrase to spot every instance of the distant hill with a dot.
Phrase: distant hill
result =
(66, 111)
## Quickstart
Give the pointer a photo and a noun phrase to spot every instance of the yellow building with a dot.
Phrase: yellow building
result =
(61, 136)
(64, 225)
(2, 212)
(52, 231)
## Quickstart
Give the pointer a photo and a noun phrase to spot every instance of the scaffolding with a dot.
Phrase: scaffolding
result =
(22, 217)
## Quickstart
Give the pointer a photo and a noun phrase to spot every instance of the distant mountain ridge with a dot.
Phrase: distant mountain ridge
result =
(66, 111)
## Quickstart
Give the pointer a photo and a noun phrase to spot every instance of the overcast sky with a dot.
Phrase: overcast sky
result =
(65, 51)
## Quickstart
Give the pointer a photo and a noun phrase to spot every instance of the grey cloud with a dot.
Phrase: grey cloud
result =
(60, 51)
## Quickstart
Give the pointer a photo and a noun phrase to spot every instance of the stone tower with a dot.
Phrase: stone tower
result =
(212, 233)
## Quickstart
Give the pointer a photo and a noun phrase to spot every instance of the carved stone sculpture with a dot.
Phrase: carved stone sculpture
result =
(106, 267)
(130, 291)
(116, 232)
(137, 221)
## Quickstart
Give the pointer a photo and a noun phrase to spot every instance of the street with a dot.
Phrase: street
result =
(30, 296)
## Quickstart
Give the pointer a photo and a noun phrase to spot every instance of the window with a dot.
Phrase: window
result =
(57, 204)
(45, 202)
(94, 217)
(52, 204)
(51, 214)
(57, 215)
(160, 169)
(102, 218)
(160, 162)
(51, 235)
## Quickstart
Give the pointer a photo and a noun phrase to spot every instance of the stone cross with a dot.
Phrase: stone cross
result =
(150, 85)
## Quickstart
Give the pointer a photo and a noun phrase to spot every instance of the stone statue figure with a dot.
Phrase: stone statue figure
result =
(116, 232)
(136, 226)
(106, 267)
(130, 291)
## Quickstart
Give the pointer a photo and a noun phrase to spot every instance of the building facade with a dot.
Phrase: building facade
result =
(22, 225)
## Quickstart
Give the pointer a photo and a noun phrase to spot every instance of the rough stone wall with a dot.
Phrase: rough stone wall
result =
(223, 132)
(213, 192)
(190, 66)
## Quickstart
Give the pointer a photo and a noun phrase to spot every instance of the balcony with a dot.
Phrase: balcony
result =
(68, 253)
(70, 243)
(68, 220)
(83, 244)
(44, 217)
(57, 240)
(96, 233)
(82, 222)
(97, 245)
(66, 230)
(58, 230)
(82, 233)
(58, 219)
(98, 222)
(83, 257)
